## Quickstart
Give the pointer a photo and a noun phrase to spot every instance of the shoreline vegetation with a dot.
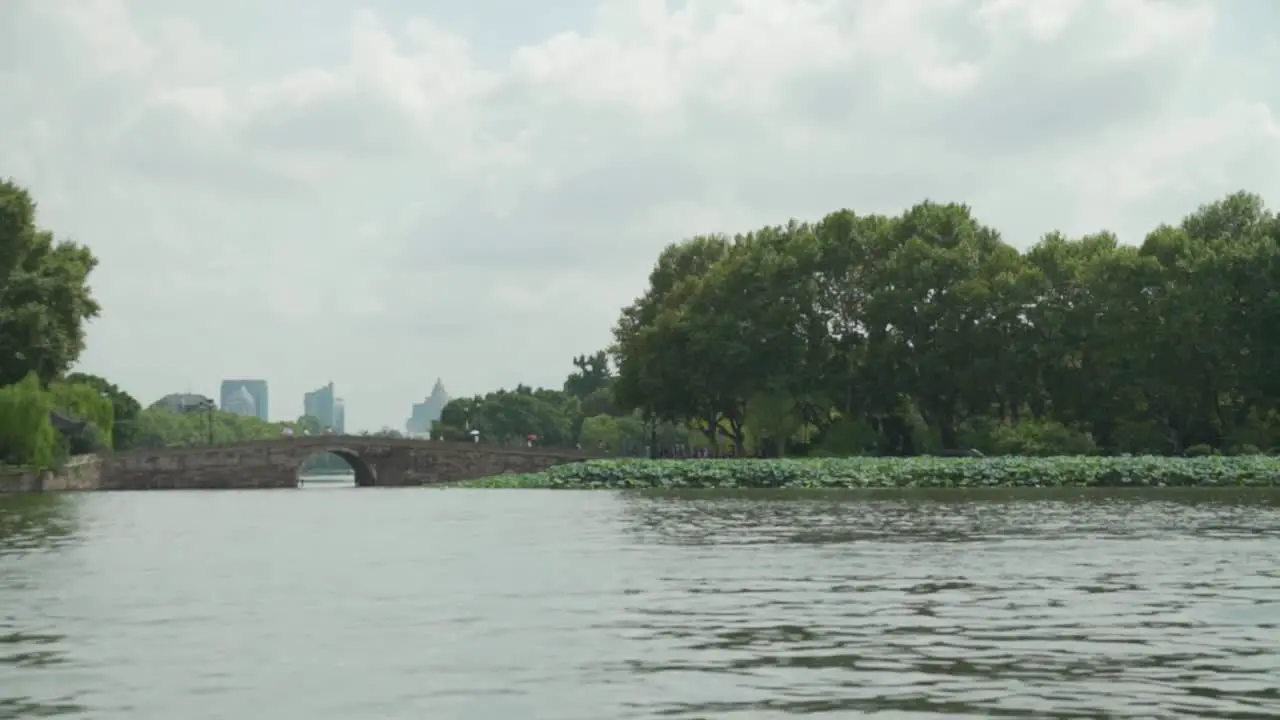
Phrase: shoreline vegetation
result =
(900, 473)
(926, 333)
(855, 350)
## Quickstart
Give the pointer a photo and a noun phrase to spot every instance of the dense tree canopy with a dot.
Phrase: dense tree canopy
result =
(926, 332)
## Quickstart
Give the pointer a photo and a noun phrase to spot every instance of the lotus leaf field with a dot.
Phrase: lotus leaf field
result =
(915, 472)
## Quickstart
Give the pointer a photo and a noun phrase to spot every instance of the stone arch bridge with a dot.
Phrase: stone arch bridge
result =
(377, 461)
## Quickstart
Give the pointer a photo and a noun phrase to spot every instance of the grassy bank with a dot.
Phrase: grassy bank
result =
(918, 472)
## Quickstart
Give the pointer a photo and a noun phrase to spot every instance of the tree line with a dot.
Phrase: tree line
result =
(925, 332)
(582, 413)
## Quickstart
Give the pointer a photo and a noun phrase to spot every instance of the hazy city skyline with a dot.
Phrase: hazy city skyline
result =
(416, 184)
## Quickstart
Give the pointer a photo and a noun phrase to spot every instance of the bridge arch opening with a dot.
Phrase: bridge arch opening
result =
(332, 467)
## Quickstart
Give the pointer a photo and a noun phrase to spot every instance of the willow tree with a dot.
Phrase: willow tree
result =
(26, 435)
(83, 402)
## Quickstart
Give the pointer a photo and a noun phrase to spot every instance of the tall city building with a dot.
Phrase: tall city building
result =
(240, 403)
(340, 416)
(320, 404)
(428, 411)
(257, 390)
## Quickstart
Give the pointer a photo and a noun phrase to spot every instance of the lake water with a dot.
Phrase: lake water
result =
(338, 604)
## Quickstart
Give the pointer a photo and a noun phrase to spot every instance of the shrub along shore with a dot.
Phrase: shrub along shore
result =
(896, 472)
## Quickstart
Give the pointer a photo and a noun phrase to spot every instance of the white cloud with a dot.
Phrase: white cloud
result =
(379, 197)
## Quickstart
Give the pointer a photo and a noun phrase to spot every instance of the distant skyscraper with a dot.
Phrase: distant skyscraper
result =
(428, 411)
(257, 389)
(340, 416)
(240, 403)
(319, 404)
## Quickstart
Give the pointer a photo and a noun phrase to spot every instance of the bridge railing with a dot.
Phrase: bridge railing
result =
(356, 443)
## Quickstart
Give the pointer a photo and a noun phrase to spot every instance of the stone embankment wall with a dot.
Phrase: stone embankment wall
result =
(79, 473)
(230, 467)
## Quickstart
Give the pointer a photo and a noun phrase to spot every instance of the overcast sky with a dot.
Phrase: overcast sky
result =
(382, 193)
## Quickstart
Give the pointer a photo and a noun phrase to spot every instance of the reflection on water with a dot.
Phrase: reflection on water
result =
(483, 604)
(331, 481)
(35, 521)
(30, 525)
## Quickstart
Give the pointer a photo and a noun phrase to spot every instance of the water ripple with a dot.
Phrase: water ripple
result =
(583, 606)
(1108, 609)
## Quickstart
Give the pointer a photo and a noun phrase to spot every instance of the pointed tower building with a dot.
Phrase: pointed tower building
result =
(428, 411)
(436, 401)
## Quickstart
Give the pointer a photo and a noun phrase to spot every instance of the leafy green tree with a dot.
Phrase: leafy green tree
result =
(510, 417)
(592, 374)
(124, 408)
(600, 402)
(650, 339)
(44, 293)
(935, 311)
(601, 433)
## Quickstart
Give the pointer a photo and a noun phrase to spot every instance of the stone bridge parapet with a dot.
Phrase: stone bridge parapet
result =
(377, 462)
